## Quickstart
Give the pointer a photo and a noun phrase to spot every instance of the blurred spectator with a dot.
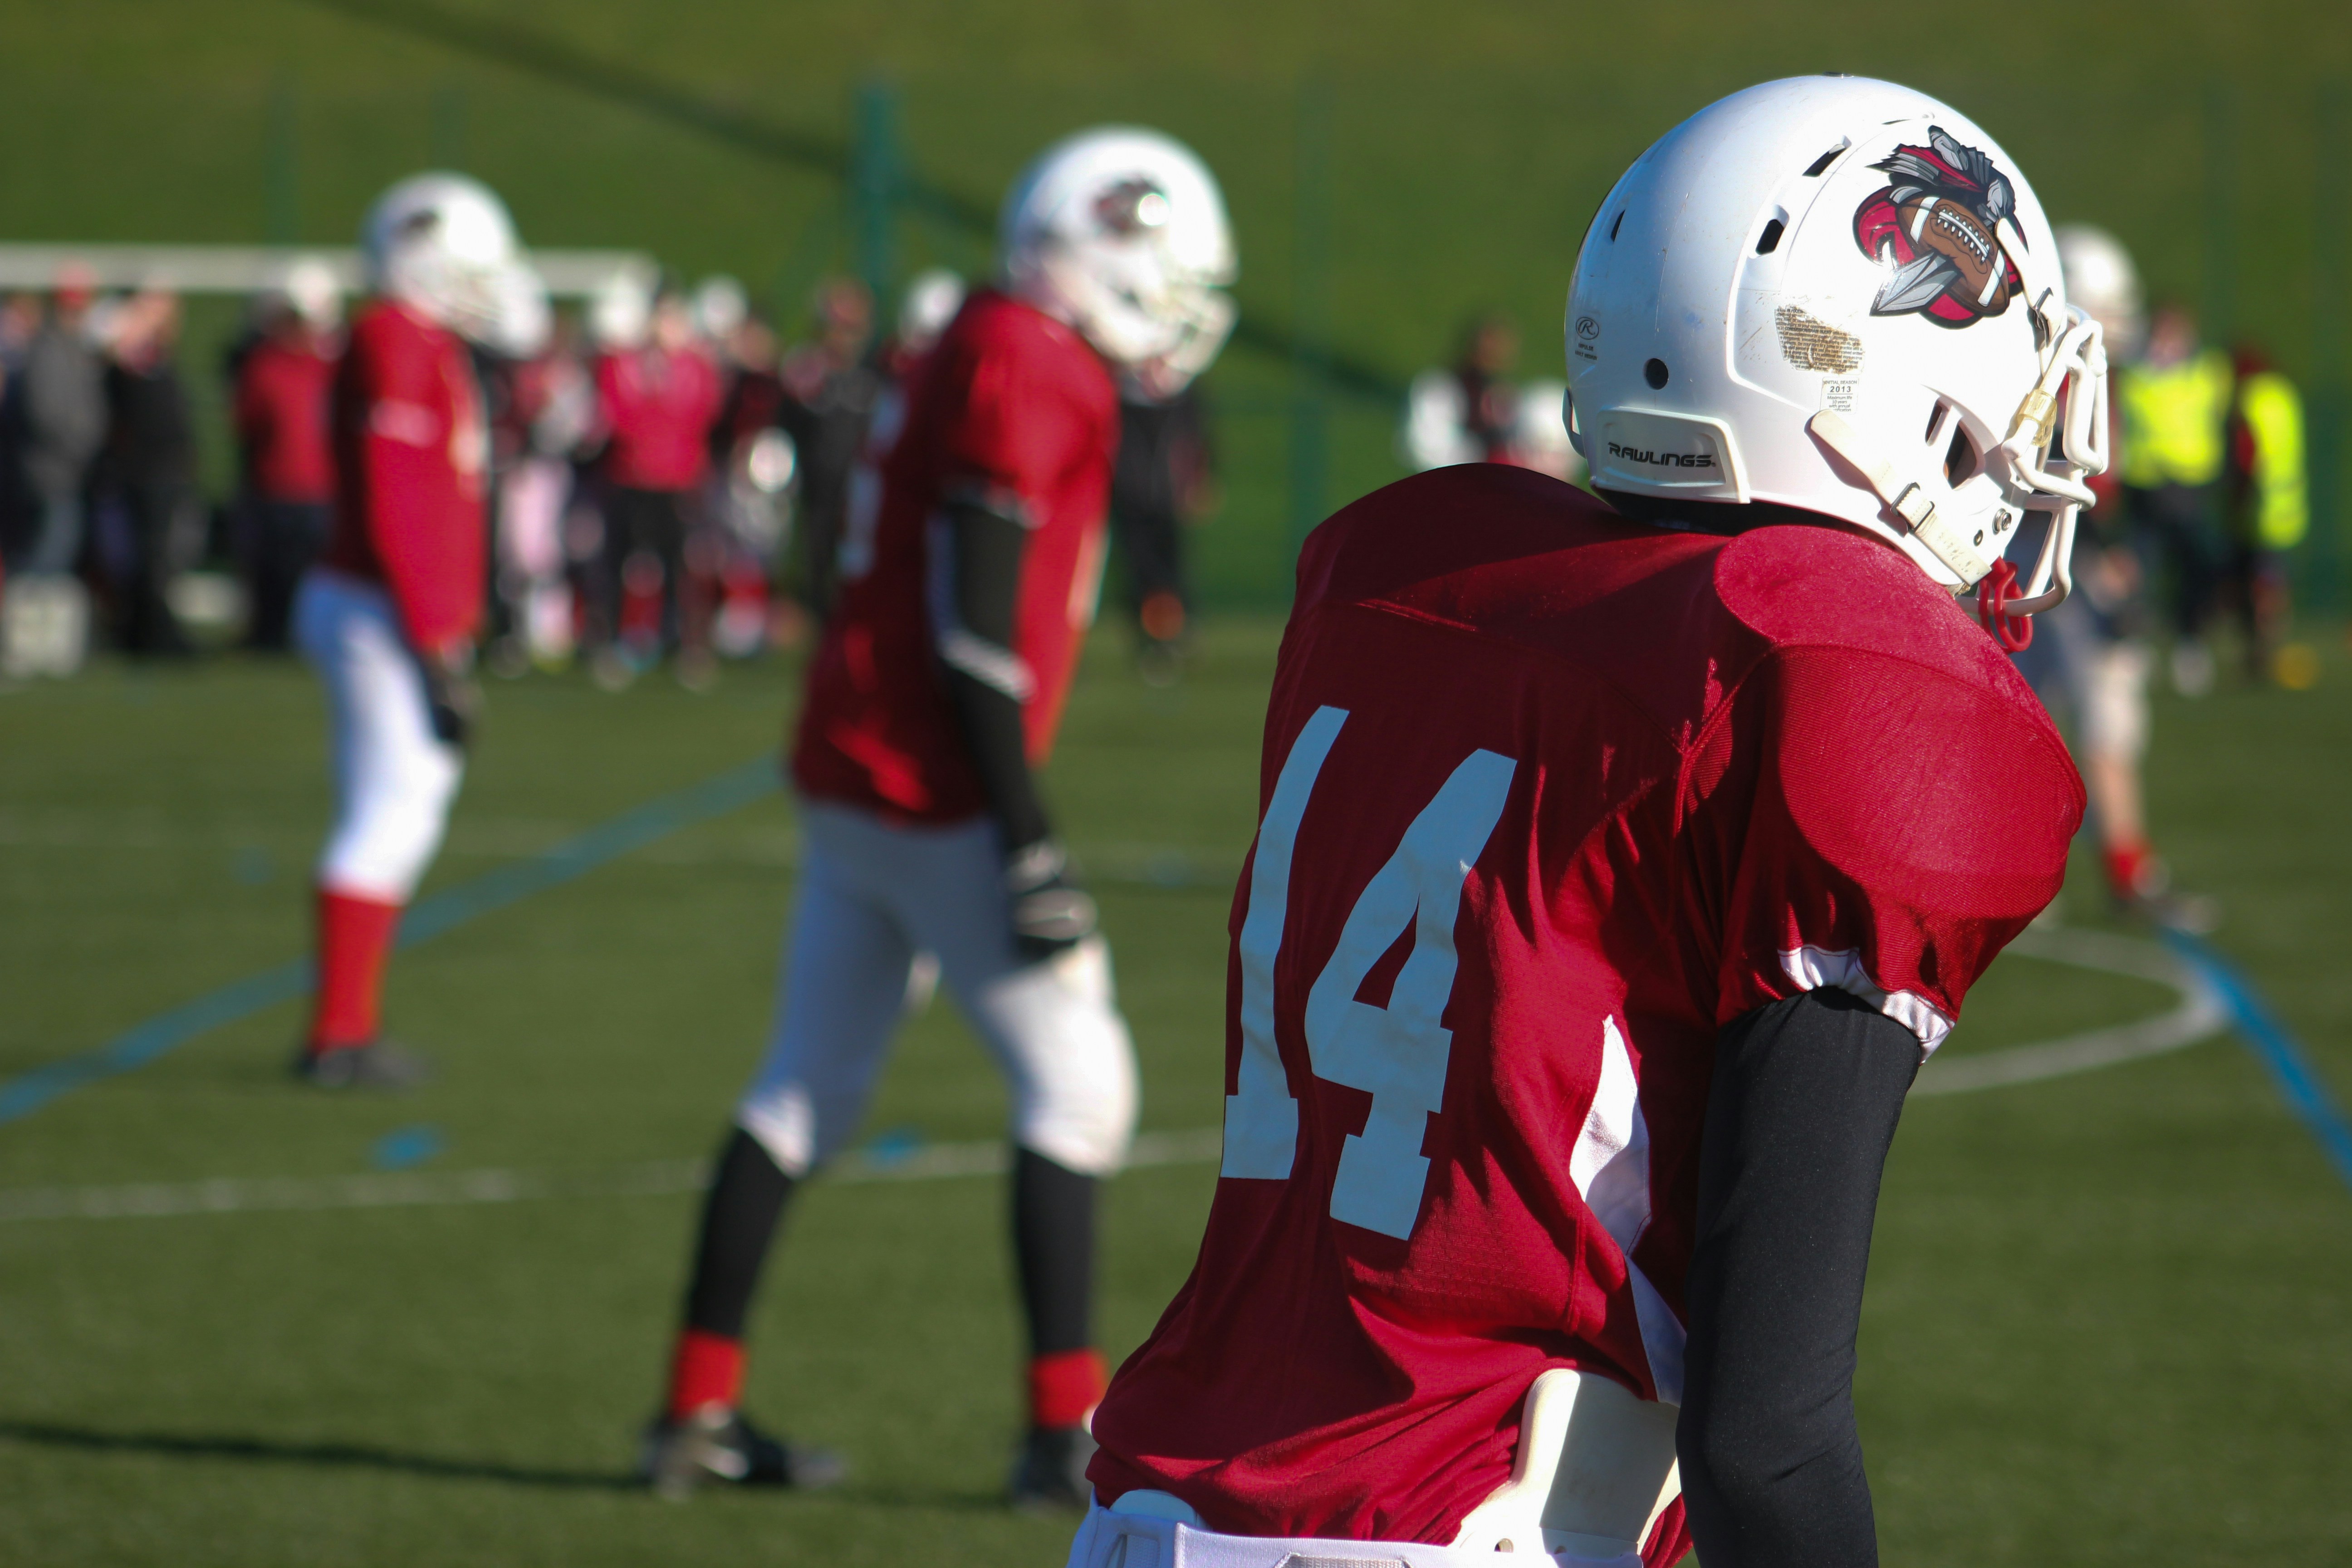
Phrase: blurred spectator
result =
(753, 464)
(719, 306)
(58, 421)
(1468, 414)
(1539, 434)
(552, 407)
(2090, 660)
(146, 476)
(658, 402)
(284, 384)
(2174, 403)
(830, 389)
(1164, 479)
(2270, 508)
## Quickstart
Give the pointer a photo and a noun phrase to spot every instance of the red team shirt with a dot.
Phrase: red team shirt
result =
(283, 394)
(1013, 410)
(660, 407)
(1687, 777)
(409, 450)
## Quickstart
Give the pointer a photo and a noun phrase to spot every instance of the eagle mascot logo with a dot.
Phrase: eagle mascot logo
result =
(1937, 226)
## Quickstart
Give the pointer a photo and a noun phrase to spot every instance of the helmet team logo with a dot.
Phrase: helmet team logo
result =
(1939, 226)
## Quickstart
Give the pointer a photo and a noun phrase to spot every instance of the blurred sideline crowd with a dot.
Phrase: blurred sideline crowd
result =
(670, 483)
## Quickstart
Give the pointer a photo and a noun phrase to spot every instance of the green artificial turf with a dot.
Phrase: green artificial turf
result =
(2106, 1321)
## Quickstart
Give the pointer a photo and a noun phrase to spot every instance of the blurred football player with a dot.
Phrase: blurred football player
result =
(1617, 870)
(968, 575)
(2093, 665)
(388, 615)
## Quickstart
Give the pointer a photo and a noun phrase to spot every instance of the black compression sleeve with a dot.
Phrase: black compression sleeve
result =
(1806, 1096)
(973, 616)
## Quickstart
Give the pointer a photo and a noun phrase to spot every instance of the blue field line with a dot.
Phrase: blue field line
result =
(2305, 1092)
(443, 912)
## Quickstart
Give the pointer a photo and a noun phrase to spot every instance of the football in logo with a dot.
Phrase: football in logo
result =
(1937, 226)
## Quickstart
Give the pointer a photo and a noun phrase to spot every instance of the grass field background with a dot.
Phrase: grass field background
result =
(1462, 151)
(2106, 1321)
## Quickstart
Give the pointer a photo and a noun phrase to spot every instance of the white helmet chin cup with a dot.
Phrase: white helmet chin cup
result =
(444, 244)
(1123, 232)
(1840, 295)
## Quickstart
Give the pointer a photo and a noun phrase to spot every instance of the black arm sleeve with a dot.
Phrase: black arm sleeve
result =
(974, 595)
(1806, 1096)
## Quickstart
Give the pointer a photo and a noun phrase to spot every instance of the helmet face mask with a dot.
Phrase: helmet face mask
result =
(1840, 295)
(444, 244)
(1122, 234)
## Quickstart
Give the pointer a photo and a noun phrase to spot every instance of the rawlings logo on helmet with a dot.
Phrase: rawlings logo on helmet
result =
(1939, 226)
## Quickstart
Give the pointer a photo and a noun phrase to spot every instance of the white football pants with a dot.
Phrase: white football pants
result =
(873, 895)
(393, 777)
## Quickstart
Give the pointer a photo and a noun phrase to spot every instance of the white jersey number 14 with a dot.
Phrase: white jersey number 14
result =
(1398, 1053)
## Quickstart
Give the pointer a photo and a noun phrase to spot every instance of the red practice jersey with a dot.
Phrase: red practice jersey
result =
(409, 451)
(1012, 410)
(659, 408)
(1550, 799)
(284, 392)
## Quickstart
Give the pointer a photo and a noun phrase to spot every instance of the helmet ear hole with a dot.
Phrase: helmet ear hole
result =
(1936, 417)
(1960, 460)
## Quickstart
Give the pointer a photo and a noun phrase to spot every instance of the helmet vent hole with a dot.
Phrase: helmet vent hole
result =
(1960, 460)
(1825, 160)
(1769, 240)
(1615, 225)
(1935, 420)
(1654, 373)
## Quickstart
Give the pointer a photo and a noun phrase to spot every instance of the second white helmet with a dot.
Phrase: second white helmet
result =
(444, 244)
(1123, 232)
(1840, 295)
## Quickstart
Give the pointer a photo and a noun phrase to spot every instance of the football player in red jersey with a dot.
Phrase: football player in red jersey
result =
(1620, 865)
(388, 614)
(969, 568)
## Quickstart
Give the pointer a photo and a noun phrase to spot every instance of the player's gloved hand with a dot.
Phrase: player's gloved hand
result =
(1051, 913)
(454, 700)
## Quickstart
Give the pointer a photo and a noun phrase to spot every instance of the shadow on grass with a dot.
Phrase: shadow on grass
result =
(335, 1456)
(356, 1456)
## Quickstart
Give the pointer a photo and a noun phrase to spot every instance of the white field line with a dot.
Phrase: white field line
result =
(409, 1189)
(2201, 1013)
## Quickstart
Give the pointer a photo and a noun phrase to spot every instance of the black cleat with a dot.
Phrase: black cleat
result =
(717, 1444)
(1051, 1470)
(379, 1064)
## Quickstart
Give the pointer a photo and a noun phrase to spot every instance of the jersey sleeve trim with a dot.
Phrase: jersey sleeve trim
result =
(1811, 968)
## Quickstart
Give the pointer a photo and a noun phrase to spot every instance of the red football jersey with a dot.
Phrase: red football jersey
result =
(283, 394)
(1550, 797)
(1010, 408)
(409, 452)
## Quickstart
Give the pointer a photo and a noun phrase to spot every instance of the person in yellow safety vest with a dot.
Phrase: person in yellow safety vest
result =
(2175, 403)
(2270, 505)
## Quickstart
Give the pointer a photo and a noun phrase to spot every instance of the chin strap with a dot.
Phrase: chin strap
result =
(1907, 500)
(1995, 596)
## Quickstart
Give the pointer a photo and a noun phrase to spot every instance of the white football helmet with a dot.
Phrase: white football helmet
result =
(1123, 232)
(2101, 278)
(1840, 295)
(444, 244)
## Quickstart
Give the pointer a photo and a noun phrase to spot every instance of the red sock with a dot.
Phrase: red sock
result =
(2127, 865)
(354, 938)
(706, 1370)
(1065, 1387)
